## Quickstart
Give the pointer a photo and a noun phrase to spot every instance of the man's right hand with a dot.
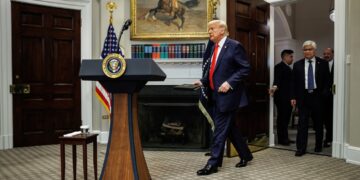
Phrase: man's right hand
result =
(293, 102)
(272, 90)
(197, 83)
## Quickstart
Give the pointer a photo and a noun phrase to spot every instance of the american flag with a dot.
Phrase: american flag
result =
(203, 100)
(110, 46)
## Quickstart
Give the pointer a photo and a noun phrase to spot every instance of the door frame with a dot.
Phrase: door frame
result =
(340, 98)
(6, 104)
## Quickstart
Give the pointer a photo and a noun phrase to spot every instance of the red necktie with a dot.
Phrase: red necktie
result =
(212, 66)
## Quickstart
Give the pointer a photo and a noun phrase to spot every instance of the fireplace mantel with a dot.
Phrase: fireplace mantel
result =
(179, 71)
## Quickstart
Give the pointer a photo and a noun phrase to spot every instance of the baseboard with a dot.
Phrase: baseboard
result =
(272, 140)
(103, 136)
(352, 154)
(337, 150)
(6, 142)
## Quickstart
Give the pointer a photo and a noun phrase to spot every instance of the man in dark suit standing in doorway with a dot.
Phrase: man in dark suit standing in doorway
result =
(309, 86)
(228, 69)
(328, 56)
(281, 91)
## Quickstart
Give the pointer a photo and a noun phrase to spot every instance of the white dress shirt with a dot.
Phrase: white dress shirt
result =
(221, 44)
(306, 71)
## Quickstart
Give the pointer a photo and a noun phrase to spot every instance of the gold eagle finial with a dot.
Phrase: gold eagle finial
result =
(111, 6)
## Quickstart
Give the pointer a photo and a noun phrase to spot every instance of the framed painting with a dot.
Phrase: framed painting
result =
(170, 19)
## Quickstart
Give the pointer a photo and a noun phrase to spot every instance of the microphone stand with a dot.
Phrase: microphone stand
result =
(124, 27)
(121, 32)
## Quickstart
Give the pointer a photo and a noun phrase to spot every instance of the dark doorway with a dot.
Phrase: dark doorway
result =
(317, 15)
(46, 60)
(247, 21)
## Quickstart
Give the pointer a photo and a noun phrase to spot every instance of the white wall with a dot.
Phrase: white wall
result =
(309, 20)
(312, 23)
(352, 85)
(354, 73)
(283, 31)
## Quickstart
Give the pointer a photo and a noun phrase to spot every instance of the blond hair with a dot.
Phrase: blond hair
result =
(221, 23)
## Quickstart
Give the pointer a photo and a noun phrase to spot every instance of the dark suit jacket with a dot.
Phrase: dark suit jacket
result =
(282, 80)
(332, 75)
(331, 82)
(298, 79)
(232, 66)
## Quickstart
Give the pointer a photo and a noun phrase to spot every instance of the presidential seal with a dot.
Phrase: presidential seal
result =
(114, 65)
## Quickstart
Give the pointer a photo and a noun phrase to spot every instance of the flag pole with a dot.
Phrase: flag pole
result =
(111, 6)
(101, 93)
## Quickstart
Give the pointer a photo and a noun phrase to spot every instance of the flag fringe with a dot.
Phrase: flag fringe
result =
(207, 115)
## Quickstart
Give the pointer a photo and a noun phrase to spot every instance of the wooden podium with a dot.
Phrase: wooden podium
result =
(124, 158)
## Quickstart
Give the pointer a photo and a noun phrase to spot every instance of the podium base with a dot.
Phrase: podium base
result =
(124, 158)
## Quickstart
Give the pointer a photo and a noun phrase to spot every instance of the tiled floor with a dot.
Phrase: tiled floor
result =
(310, 146)
(43, 162)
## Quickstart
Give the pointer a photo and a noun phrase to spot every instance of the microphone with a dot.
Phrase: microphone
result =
(126, 25)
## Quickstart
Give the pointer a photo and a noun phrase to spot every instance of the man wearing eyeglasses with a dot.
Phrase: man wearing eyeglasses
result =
(309, 87)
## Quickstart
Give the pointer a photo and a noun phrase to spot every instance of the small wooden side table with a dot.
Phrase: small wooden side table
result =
(80, 139)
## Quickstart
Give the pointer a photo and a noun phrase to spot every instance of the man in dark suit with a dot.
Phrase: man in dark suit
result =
(309, 86)
(281, 91)
(228, 68)
(328, 56)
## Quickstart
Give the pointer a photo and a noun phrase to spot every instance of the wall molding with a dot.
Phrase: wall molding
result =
(284, 24)
(340, 101)
(280, 2)
(352, 154)
(6, 104)
(271, 71)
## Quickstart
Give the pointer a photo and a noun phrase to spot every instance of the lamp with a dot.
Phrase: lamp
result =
(332, 11)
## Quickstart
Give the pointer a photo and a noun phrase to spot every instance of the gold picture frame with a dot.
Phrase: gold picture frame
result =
(157, 20)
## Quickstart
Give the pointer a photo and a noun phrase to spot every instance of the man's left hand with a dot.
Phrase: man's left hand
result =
(224, 88)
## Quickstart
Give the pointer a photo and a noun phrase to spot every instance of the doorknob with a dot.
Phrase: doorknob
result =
(20, 89)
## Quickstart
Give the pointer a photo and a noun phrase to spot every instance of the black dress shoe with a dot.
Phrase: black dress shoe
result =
(284, 143)
(208, 169)
(299, 153)
(208, 154)
(242, 163)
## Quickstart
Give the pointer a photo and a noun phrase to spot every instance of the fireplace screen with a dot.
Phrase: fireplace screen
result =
(170, 118)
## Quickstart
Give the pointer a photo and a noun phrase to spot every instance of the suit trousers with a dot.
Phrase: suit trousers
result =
(328, 118)
(284, 109)
(311, 107)
(225, 128)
